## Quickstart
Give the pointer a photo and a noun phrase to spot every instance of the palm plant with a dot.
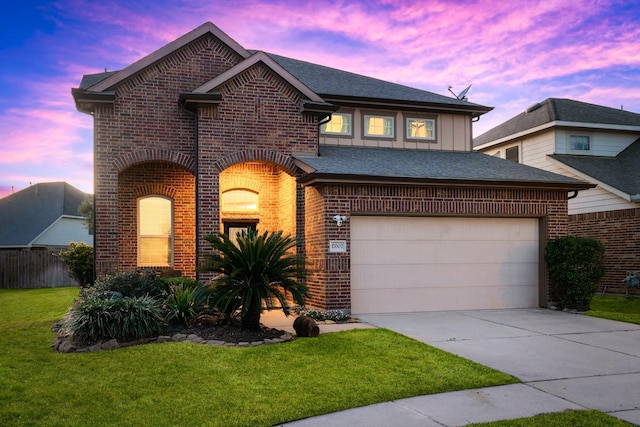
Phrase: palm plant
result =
(257, 269)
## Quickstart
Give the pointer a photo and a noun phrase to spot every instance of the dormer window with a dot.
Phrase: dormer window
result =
(340, 124)
(579, 143)
(378, 126)
(421, 129)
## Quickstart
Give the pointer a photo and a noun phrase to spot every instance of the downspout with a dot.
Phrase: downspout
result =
(574, 195)
(327, 119)
(196, 143)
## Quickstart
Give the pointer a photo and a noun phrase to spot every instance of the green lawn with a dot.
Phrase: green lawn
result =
(189, 384)
(616, 308)
(561, 419)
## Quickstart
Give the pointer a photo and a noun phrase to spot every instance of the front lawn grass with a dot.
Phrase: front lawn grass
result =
(190, 384)
(615, 308)
(561, 419)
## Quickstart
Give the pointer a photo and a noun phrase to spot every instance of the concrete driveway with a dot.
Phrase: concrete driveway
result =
(584, 361)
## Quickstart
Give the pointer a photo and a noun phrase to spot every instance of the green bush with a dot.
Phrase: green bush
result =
(186, 299)
(95, 318)
(136, 283)
(79, 260)
(334, 315)
(575, 265)
(255, 270)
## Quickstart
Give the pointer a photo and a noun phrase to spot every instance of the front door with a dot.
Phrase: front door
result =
(232, 229)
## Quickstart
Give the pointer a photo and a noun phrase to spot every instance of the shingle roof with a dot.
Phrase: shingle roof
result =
(446, 166)
(621, 172)
(327, 82)
(26, 214)
(332, 82)
(558, 110)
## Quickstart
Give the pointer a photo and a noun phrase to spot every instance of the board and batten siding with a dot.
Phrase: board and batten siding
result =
(453, 133)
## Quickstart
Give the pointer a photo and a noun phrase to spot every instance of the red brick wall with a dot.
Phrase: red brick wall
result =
(330, 283)
(619, 232)
(145, 137)
(164, 179)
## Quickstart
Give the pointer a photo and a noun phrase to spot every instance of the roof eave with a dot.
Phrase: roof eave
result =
(475, 110)
(329, 178)
(87, 101)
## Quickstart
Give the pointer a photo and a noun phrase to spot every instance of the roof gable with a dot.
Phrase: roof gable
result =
(29, 212)
(555, 112)
(110, 79)
(258, 57)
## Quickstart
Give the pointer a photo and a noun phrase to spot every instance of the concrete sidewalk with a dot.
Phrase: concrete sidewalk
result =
(565, 361)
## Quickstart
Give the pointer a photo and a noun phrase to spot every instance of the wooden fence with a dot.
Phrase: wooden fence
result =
(33, 268)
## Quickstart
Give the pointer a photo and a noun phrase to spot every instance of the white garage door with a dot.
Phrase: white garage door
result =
(405, 264)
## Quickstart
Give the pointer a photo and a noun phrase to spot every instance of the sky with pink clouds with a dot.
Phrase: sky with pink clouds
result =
(515, 53)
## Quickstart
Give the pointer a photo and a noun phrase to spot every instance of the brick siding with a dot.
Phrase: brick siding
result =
(619, 232)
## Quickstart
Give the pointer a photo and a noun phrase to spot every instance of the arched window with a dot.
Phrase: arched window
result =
(155, 231)
(239, 201)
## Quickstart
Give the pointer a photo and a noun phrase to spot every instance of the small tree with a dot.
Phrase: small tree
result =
(86, 210)
(575, 266)
(79, 260)
(253, 271)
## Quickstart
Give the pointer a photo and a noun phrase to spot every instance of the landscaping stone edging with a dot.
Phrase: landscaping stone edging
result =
(62, 344)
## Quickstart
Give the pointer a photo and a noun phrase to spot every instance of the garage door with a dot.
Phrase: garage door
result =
(401, 264)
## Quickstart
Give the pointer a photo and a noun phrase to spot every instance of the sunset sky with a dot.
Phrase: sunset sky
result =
(514, 53)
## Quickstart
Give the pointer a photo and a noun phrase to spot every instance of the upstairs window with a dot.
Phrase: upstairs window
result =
(421, 129)
(579, 143)
(378, 126)
(340, 124)
(155, 231)
(513, 154)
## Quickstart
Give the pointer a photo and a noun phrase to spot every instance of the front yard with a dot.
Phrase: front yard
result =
(190, 384)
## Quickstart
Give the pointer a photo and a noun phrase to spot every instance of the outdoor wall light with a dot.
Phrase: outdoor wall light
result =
(339, 219)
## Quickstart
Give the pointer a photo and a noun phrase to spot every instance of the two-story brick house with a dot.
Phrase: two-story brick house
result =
(393, 209)
(593, 143)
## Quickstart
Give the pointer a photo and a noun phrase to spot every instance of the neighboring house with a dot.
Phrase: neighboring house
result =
(35, 223)
(393, 209)
(593, 143)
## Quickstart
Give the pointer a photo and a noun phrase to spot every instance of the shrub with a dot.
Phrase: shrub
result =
(136, 283)
(79, 260)
(95, 318)
(575, 266)
(334, 315)
(255, 270)
(186, 299)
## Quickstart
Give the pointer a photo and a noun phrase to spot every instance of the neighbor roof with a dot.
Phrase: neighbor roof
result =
(620, 172)
(25, 215)
(560, 111)
(336, 163)
(324, 81)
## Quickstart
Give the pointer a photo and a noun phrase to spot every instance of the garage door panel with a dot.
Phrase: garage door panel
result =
(414, 252)
(441, 299)
(416, 264)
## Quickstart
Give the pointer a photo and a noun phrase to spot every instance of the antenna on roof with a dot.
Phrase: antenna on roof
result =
(462, 96)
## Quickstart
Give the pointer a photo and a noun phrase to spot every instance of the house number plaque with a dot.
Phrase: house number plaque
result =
(337, 246)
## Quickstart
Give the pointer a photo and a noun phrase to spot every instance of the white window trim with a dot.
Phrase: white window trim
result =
(574, 151)
(365, 118)
(324, 131)
(419, 138)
